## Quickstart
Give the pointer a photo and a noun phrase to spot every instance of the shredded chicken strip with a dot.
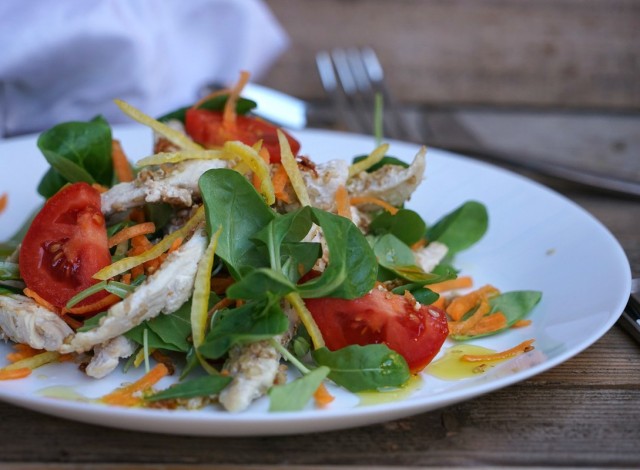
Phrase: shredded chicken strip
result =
(106, 356)
(165, 291)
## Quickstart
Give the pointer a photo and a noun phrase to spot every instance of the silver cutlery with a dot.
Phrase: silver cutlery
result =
(630, 318)
(352, 77)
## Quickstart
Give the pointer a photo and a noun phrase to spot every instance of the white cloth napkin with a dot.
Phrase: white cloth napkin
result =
(68, 59)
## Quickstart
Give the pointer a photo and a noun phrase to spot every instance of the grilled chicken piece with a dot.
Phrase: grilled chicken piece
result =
(22, 320)
(176, 184)
(164, 291)
(254, 368)
(323, 182)
(391, 183)
(430, 256)
(107, 356)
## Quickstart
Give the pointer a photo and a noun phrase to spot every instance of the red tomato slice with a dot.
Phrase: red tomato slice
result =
(205, 127)
(416, 332)
(65, 246)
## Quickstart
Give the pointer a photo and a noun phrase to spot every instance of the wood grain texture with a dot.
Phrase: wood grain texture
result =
(560, 53)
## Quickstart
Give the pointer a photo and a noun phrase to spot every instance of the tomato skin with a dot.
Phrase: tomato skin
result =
(65, 246)
(416, 332)
(205, 127)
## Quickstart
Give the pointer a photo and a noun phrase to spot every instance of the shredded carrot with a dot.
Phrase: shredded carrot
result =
(419, 244)
(127, 233)
(523, 347)
(97, 306)
(72, 322)
(4, 199)
(229, 112)
(461, 327)
(441, 303)
(521, 324)
(15, 373)
(461, 305)
(219, 285)
(376, 201)
(224, 303)
(121, 165)
(462, 282)
(99, 187)
(128, 395)
(137, 215)
(280, 180)
(39, 300)
(488, 324)
(177, 243)
(210, 96)
(322, 396)
(343, 204)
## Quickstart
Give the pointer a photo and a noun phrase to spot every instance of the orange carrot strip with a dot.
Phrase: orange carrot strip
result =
(125, 396)
(219, 285)
(97, 306)
(280, 179)
(210, 96)
(15, 373)
(100, 188)
(4, 199)
(521, 323)
(229, 112)
(23, 351)
(343, 204)
(376, 201)
(224, 303)
(322, 396)
(523, 347)
(461, 327)
(127, 233)
(461, 305)
(176, 244)
(419, 244)
(488, 324)
(39, 300)
(462, 282)
(121, 165)
(72, 322)
(441, 303)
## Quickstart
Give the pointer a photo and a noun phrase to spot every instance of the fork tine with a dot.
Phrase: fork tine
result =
(345, 62)
(336, 92)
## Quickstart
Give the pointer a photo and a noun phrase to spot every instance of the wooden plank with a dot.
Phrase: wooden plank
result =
(566, 53)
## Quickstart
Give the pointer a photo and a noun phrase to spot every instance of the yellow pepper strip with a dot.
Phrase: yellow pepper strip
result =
(291, 167)
(200, 300)
(366, 163)
(260, 168)
(180, 156)
(125, 264)
(306, 318)
(34, 362)
(174, 136)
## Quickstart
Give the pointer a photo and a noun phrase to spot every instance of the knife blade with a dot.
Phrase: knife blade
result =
(630, 318)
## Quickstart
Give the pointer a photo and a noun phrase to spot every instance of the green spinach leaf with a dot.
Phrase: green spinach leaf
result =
(461, 228)
(293, 396)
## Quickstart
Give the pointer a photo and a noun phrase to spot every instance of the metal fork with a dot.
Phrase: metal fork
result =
(352, 77)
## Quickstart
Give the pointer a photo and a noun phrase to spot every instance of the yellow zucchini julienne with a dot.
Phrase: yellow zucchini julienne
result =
(200, 300)
(174, 136)
(366, 163)
(34, 362)
(180, 156)
(125, 264)
(291, 167)
(252, 158)
(307, 320)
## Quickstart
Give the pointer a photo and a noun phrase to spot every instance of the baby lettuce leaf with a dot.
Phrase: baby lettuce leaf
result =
(167, 331)
(254, 321)
(293, 396)
(360, 368)
(200, 387)
(395, 256)
(405, 224)
(233, 204)
(76, 151)
(515, 305)
(461, 228)
(257, 282)
(352, 267)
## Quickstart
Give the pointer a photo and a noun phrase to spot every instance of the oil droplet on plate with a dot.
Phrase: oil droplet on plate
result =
(451, 367)
(395, 394)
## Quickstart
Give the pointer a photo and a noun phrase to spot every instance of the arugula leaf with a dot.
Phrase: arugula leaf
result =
(233, 204)
(405, 224)
(352, 267)
(201, 387)
(461, 228)
(253, 321)
(360, 368)
(293, 396)
(76, 151)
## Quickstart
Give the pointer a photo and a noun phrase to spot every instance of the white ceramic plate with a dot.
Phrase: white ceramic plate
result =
(537, 240)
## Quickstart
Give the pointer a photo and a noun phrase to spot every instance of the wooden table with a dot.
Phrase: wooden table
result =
(585, 412)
